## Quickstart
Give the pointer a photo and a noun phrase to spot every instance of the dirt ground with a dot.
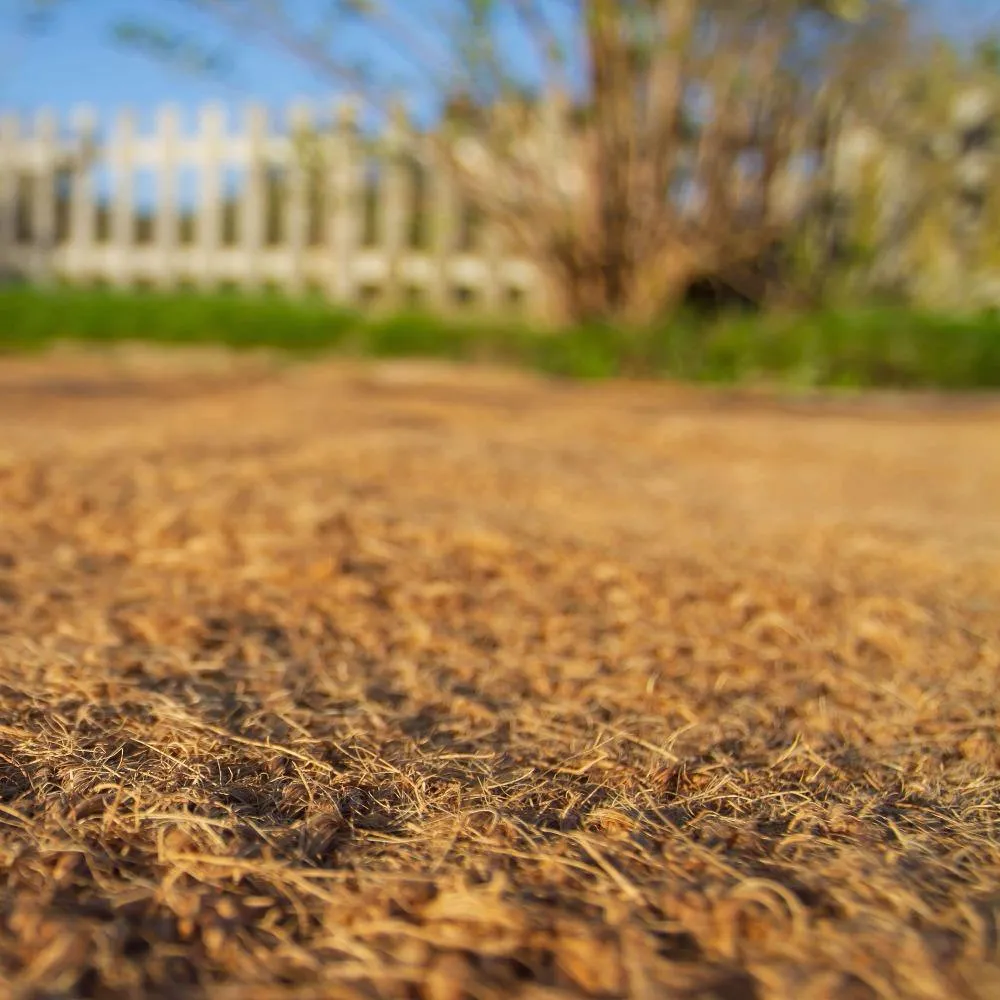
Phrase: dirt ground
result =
(423, 682)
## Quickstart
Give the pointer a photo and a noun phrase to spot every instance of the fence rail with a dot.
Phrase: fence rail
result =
(251, 207)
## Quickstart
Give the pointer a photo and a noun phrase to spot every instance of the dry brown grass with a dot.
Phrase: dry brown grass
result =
(448, 686)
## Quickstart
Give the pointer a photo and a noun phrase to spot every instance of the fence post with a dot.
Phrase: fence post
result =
(490, 250)
(43, 208)
(297, 210)
(82, 204)
(344, 229)
(442, 206)
(122, 209)
(209, 207)
(394, 197)
(254, 195)
(554, 141)
(166, 214)
(9, 133)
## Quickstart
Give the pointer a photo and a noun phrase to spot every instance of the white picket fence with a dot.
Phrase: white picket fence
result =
(362, 226)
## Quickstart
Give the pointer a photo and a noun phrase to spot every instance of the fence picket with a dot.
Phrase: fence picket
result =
(10, 128)
(208, 224)
(346, 208)
(43, 208)
(82, 236)
(254, 196)
(301, 121)
(166, 218)
(123, 199)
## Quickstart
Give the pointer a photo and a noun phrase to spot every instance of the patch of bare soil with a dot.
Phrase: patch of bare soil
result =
(433, 683)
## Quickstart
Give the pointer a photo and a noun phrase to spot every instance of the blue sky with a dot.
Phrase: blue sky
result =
(76, 63)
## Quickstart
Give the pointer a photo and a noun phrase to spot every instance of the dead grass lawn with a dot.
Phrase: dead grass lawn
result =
(432, 684)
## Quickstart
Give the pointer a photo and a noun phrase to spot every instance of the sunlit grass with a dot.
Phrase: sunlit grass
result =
(851, 349)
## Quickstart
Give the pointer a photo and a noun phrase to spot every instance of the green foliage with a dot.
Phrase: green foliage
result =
(987, 53)
(37, 318)
(852, 349)
(415, 335)
(936, 167)
(180, 50)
